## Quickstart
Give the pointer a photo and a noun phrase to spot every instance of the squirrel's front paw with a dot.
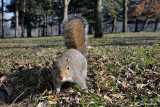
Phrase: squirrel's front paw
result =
(57, 90)
(85, 90)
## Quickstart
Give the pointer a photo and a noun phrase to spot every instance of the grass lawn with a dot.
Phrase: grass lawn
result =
(123, 69)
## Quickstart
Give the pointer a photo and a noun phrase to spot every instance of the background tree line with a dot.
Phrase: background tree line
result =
(41, 14)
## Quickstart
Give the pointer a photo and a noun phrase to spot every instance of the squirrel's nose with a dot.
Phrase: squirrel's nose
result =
(60, 77)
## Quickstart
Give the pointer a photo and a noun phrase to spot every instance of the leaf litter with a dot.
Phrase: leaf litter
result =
(118, 75)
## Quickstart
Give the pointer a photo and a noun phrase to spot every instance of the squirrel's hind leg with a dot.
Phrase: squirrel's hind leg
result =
(81, 82)
(84, 73)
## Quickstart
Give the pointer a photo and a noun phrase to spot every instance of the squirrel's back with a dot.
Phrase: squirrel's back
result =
(75, 30)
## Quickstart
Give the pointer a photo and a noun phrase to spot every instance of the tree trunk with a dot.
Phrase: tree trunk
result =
(17, 21)
(2, 19)
(156, 25)
(90, 31)
(46, 26)
(51, 31)
(113, 25)
(65, 14)
(23, 16)
(29, 31)
(59, 30)
(98, 19)
(39, 28)
(124, 16)
(144, 25)
(43, 30)
(136, 26)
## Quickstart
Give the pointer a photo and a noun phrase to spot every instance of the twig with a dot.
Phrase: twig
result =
(18, 97)
(34, 104)
(93, 94)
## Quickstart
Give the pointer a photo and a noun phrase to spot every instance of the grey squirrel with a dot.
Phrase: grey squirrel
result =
(72, 64)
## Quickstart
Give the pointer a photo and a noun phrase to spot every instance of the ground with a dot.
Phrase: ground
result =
(123, 69)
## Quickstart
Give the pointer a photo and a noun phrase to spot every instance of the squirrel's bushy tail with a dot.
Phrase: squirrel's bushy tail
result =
(75, 30)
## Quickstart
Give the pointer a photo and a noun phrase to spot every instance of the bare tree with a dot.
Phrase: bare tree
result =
(23, 16)
(124, 16)
(66, 3)
(2, 19)
(156, 25)
(98, 19)
(113, 25)
(17, 21)
(46, 18)
(145, 24)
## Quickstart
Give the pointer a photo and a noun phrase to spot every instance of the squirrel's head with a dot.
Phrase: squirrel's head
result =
(61, 69)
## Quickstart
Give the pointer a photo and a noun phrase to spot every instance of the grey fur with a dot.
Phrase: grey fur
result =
(77, 69)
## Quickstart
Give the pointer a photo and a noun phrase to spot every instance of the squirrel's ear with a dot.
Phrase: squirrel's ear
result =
(67, 60)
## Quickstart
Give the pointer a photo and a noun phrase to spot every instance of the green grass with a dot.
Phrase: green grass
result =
(116, 65)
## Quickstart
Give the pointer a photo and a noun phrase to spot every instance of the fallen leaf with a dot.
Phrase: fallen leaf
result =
(117, 96)
(114, 78)
(3, 78)
(150, 92)
(108, 99)
(107, 59)
(125, 85)
(71, 90)
(42, 104)
(53, 100)
(140, 86)
(90, 47)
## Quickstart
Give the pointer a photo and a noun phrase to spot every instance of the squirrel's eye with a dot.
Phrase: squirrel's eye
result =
(67, 67)
(54, 68)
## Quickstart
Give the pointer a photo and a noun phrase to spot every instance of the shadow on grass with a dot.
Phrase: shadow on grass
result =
(127, 41)
(107, 41)
(23, 83)
(30, 44)
(36, 47)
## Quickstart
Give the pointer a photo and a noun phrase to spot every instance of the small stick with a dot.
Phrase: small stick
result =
(34, 104)
(18, 97)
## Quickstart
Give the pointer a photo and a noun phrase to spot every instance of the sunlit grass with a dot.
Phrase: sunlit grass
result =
(125, 52)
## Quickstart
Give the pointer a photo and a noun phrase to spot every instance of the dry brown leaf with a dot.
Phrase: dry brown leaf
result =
(131, 71)
(71, 90)
(140, 86)
(91, 47)
(42, 104)
(108, 99)
(39, 65)
(20, 65)
(125, 85)
(3, 78)
(117, 96)
(68, 99)
(107, 88)
(53, 100)
(107, 59)
(116, 67)
(114, 78)
(101, 73)
(158, 86)
(150, 92)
